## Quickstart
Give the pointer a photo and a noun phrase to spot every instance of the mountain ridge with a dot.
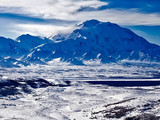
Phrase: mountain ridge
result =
(93, 40)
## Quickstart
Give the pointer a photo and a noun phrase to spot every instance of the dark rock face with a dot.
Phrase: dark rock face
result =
(9, 88)
(144, 117)
(13, 87)
(117, 112)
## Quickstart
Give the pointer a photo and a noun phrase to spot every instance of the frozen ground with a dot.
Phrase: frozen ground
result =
(57, 92)
(64, 71)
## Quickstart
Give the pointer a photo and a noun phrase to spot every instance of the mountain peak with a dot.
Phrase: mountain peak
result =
(93, 23)
(90, 23)
(27, 37)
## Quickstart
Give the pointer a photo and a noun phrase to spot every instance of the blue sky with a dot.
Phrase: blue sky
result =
(49, 17)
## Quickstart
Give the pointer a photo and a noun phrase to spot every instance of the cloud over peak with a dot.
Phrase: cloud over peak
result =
(22, 15)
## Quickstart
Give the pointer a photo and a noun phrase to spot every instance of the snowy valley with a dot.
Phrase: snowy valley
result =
(64, 77)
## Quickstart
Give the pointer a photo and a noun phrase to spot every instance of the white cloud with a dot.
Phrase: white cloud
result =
(43, 30)
(49, 8)
(45, 9)
(65, 10)
(122, 17)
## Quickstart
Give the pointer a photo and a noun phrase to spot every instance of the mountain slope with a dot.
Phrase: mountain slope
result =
(11, 51)
(29, 42)
(8, 47)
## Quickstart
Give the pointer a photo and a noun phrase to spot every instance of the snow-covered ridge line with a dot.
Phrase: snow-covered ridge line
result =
(92, 42)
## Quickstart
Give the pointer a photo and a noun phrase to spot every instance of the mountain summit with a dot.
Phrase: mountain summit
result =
(93, 40)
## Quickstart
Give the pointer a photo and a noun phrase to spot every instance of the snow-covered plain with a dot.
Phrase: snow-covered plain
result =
(52, 98)
(54, 78)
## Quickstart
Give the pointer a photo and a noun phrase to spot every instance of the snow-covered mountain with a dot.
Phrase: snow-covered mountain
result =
(29, 42)
(96, 40)
(11, 51)
(93, 40)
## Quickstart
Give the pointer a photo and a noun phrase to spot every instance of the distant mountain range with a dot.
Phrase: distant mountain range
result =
(93, 40)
